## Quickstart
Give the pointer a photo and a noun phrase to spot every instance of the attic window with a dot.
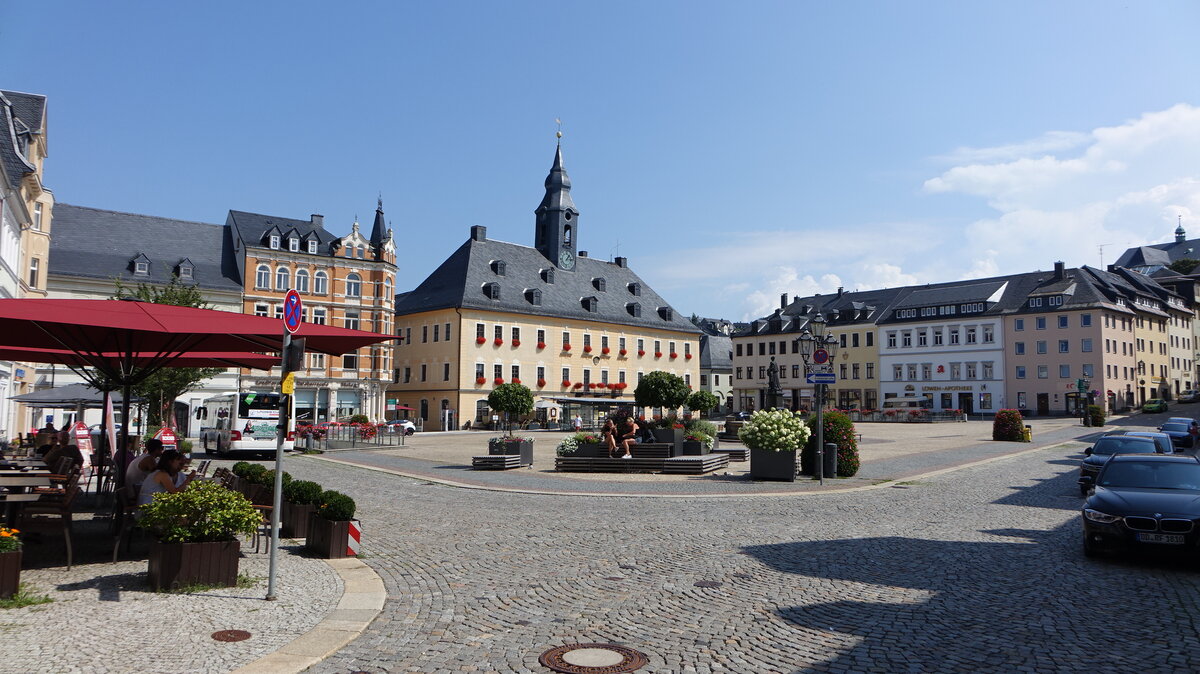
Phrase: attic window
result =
(274, 242)
(184, 270)
(293, 244)
(548, 275)
(312, 246)
(499, 266)
(635, 288)
(590, 304)
(141, 268)
(599, 284)
(533, 296)
(634, 309)
(491, 290)
(666, 313)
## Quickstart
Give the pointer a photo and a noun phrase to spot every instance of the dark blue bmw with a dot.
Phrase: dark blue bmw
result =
(1144, 501)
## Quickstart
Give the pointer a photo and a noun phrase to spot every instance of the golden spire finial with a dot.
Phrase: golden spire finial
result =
(558, 134)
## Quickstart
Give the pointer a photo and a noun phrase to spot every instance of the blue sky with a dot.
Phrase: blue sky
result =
(732, 151)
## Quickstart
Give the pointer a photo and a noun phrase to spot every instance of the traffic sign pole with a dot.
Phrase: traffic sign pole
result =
(292, 319)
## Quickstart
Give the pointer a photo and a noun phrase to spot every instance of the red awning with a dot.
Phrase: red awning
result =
(256, 361)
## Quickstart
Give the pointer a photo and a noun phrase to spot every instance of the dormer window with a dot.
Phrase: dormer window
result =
(141, 265)
(634, 288)
(548, 275)
(666, 313)
(293, 244)
(274, 242)
(533, 296)
(491, 291)
(600, 284)
(590, 304)
(634, 309)
(184, 270)
(312, 246)
(499, 267)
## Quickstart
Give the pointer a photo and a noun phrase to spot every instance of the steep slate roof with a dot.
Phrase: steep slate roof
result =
(251, 227)
(716, 352)
(459, 282)
(99, 244)
(19, 113)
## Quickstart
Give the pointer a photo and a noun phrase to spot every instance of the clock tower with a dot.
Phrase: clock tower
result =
(557, 218)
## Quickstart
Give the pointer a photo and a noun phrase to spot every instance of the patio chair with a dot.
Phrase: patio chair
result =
(127, 502)
(202, 468)
(262, 534)
(52, 516)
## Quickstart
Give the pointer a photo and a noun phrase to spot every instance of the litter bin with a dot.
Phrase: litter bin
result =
(808, 460)
(1028, 433)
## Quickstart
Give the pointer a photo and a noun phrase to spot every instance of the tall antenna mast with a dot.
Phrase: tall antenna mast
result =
(1101, 249)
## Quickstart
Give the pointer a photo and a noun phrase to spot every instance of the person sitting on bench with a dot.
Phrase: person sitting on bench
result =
(609, 433)
(630, 437)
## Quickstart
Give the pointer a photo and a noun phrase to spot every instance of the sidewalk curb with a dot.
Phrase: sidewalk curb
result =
(773, 494)
(362, 600)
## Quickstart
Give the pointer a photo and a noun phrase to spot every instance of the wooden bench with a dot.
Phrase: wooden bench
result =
(734, 453)
(679, 465)
(496, 462)
(695, 465)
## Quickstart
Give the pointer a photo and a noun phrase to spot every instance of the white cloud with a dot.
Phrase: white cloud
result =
(1053, 141)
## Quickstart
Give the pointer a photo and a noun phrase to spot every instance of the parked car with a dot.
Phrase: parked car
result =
(1107, 447)
(397, 425)
(1163, 441)
(1154, 405)
(1143, 501)
(1181, 435)
(1189, 396)
(1180, 420)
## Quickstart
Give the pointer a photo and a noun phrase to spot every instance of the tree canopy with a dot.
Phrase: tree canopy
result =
(1184, 266)
(661, 389)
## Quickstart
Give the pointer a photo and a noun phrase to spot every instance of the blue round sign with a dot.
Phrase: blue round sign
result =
(292, 311)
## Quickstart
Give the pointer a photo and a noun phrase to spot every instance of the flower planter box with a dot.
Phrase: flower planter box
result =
(768, 465)
(694, 448)
(10, 573)
(590, 450)
(328, 539)
(522, 447)
(294, 519)
(672, 436)
(175, 565)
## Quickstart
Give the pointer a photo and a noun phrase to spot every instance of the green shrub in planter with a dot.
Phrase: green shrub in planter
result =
(257, 474)
(336, 506)
(240, 467)
(839, 429)
(1008, 426)
(1096, 413)
(204, 512)
(702, 401)
(701, 425)
(302, 492)
(774, 431)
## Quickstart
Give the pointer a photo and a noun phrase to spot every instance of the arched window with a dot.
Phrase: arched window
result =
(353, 285)
(387, 289)
(262, 277)
(301, 280)
(320, 283)
(283, 278)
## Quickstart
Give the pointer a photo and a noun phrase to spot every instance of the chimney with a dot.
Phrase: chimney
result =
(1112, 268)
(583, 253)
(478, 233)
(1059, 271)
(621, 262)
(317, 220)
(840, 290)
(783, 297)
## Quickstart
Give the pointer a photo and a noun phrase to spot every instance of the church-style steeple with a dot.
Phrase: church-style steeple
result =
(1180, 235)
(379, 229)
(557, 218)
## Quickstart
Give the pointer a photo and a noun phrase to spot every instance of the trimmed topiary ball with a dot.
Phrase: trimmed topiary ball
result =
(1008, 426)
(839, 430)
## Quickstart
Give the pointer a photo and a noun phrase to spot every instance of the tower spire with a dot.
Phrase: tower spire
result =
(379, 228)
(1180, 235)
(557, 233)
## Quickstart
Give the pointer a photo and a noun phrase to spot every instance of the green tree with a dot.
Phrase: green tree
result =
(661, 389)
(838, 429)
(702, 401)
(1184, 266)
(160, 389)
(511, 399)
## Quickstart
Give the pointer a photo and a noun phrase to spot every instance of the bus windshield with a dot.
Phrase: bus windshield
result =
(259, 406)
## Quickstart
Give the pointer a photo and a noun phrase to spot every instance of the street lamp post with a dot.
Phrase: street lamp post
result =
(818, 349)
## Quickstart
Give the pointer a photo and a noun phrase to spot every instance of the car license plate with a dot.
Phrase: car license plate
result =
(1169, 539)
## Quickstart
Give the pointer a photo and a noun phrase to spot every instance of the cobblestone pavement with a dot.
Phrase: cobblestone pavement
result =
(974, 570)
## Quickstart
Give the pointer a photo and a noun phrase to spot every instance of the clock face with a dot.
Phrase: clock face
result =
(566, 260)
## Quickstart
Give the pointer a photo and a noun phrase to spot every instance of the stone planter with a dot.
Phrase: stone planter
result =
(522, 447)
(328, 539)
(768, 465)
(672, 436)
(590, 450)
(294, 519)
(10, 573)
(694, 448)
(175, 565)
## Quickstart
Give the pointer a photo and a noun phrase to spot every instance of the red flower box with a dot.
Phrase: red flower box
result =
(587, 348)
(658, 354)
(541, 382)
(541, 345)
(604, 351)
(516, 380)
(566, 347)
(480, 340)
(674, 355)
(641, 353)
(687, 356)
(517, 342)
(498, 381)
(480, 381)
(566, 383)
(623, 385)
(578, 385)
(497, 341)
(622, 352)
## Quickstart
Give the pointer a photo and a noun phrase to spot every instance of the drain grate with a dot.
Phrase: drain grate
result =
(593, 659)
(230, 636)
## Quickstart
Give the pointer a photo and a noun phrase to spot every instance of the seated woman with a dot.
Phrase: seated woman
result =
(629, 437)
(164, 478)
(609, 432)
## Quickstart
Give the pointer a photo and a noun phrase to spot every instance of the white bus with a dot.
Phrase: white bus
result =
(243, 423)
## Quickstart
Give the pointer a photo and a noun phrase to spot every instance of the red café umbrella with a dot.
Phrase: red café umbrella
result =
(247, 359)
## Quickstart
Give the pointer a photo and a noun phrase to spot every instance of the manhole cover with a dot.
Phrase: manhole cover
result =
(593, 659)
(231, 635)
(707, 583)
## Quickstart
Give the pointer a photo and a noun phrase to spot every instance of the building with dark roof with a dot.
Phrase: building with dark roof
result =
(548, 316)
(347, 281)
(716, 361)
(1149, 259)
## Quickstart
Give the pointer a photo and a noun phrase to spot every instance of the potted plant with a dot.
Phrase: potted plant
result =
(773, 436)
(702, 401)
(668, 391)
(10, 562)
(329, 526)
(197, 531)
(696, 443)
(300, 500)
(511, 444)
(580, 444)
